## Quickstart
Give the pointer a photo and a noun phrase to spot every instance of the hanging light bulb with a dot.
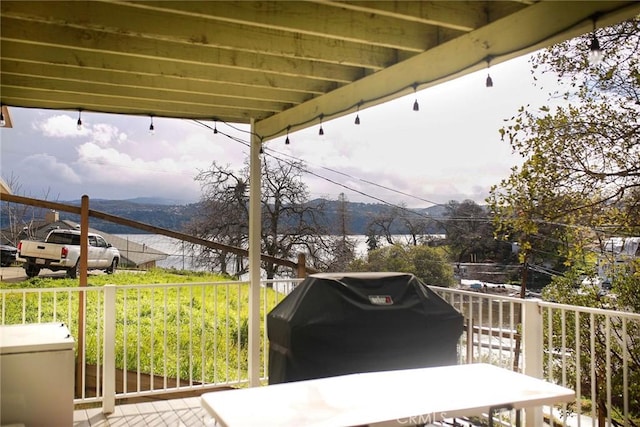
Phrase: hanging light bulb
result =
(3, 122)
(489, 82)
(595, 53)
(152, 129)
(261, 150)
(416, 106)
(321, 131)
(286, 141)
(79, 123)
(357, 121)
(215, 126)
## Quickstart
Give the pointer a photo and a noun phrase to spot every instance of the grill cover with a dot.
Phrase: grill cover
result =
(343, 323)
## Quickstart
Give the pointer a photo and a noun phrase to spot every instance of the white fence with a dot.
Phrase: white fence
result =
(586, 349)
(141, 340)
(155, 339)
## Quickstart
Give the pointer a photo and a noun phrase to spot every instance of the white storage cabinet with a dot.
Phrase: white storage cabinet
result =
(36, 375)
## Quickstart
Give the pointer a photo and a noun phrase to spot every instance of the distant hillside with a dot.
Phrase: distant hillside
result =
(138, 200)
(174, 216)
(169, 216)
(359, 215)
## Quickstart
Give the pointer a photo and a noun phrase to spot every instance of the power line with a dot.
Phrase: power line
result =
(246, 143)
(440, 221)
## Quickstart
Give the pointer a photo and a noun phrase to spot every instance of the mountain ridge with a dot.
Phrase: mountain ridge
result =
(165, 213)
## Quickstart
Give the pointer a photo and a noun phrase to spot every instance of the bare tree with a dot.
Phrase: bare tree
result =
(224, 217)
(414, 223)
(290, 223)
(18, 220)
(381, 224)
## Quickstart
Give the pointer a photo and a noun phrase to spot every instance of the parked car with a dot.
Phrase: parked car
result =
(61, 251)
(7, 255)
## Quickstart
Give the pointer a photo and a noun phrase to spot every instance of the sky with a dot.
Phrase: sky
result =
(448, 150)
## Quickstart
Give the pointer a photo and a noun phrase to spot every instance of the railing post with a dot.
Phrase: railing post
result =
(469, 340)
(532, 340)
(109, 344)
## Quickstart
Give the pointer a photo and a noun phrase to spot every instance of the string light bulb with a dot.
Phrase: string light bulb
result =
(79, 122)
(321, 131)
(152, 129)
(489, 82)
(3, 122)
(595, 53)
(416, 106)
(215, 126)
(286, 141)
(357, 121)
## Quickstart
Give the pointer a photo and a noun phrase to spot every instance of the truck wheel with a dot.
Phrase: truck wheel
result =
(72, 273)
(31, 270)
(113, 266)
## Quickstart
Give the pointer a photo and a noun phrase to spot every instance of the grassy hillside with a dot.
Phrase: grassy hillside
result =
(198, 331)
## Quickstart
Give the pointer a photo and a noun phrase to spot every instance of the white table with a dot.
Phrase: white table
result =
(403, 397)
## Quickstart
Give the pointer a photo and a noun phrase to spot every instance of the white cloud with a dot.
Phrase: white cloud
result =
(43, 173)
(105, 135)
(60, 126)
(110, 167)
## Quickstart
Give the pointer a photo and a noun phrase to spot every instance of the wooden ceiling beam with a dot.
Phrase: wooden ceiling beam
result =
(127, 47)
(462, 16)
(313, 19)
(36, 98)
(32, 74)
(119, 92)
(107, 66)
(120, 20)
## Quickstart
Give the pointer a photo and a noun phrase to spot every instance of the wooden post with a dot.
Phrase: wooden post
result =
(84, 239)
(302, 265)
(84, 242)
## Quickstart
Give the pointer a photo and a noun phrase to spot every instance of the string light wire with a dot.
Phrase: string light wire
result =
(317, 175)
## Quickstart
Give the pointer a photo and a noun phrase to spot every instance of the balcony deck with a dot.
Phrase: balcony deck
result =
(185, 412)
(500, 330)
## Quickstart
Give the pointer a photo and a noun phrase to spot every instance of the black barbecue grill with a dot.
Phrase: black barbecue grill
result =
(344, 323)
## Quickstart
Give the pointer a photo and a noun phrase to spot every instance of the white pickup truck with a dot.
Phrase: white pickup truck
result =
(61, 251)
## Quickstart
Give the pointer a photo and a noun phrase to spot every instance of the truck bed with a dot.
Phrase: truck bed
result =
(40, 251)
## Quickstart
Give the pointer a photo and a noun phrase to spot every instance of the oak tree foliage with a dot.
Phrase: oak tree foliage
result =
(425, 262)
(578, 185)
(581, 157)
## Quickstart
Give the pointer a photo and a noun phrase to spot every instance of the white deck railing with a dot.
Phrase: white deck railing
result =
(585, 349)
(141, 340)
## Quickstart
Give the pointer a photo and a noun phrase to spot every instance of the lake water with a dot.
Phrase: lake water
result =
(179, 257)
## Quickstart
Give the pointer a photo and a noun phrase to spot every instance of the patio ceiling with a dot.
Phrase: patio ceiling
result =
(281, 64)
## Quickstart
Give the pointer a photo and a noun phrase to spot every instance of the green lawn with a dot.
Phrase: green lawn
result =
(198, 331)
